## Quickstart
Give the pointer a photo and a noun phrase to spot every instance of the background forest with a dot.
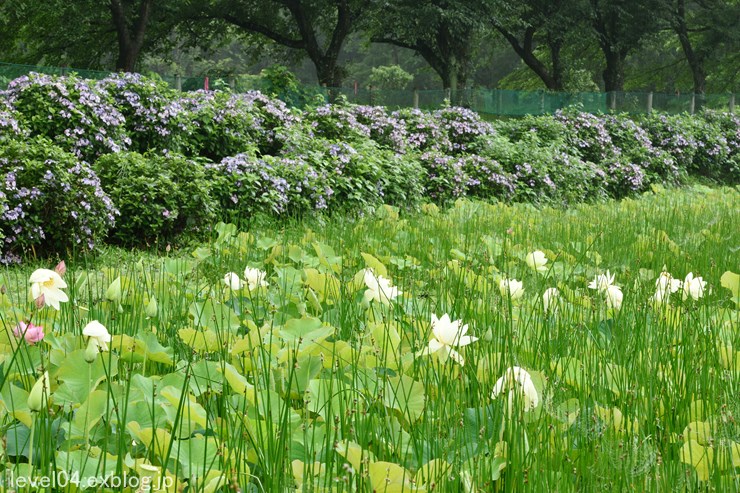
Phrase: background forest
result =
(581, 45)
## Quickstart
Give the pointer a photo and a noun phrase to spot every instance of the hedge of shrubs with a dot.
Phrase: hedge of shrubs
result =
(130, 161)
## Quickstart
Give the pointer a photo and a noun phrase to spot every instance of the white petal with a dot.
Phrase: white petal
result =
(370, 280)
(456, 356)
(52, 302)
(42, 275)
(434, 346)
(499, 387)
(369, 296)
(465, 340)
(97, 330)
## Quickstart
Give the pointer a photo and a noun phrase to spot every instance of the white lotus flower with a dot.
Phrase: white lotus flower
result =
(231, 279)
(512, 288)
(255, 278)
(518, 382)
(49, 284)
(661, 297)
(602, 282)
(667, 283)
(448, 334)
(549, 297)
(97, 333)
(614, 297)
(536, 261)
(693, 286)
(379, 289)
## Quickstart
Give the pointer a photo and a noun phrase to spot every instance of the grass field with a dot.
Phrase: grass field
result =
(313, 373)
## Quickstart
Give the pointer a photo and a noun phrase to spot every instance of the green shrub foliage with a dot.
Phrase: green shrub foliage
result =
(50, 201)
(174, 162)
(159, 197)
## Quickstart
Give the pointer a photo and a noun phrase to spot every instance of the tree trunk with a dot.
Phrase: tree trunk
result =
(326, 72)
(525, 50)
(557, 67)
(130, 42)
(614, 72)
(453, 82)
(695, 61)
(126, 58)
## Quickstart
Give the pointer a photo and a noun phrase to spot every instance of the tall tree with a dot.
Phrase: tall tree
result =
(443, 32)
(705, 29)
(85, 33)
(131, 22)
(529, 24)
(318, 28)
(620, 26)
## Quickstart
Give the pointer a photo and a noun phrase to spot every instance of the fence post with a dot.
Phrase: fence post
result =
(732, 103)
(542, 102)
(232, 83)
(178, 83)
(416, 98)
(448, 95)
(692, 107)
(612, 95)
(650, 102)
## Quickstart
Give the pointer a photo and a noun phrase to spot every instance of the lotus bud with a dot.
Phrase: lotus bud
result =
(92, 350)
(61, 268)
(39, 393)
(113, 293)
(151, 308)
(148, 474)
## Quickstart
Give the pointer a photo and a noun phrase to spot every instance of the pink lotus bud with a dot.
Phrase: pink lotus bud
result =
(31, 333)
(61, 268)
(40, 302)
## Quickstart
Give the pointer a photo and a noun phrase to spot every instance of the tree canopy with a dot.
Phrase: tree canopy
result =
(686, 45)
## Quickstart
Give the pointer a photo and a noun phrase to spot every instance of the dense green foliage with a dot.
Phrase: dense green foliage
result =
(574, 45)
(386, 354)
(158, 197)
(174, 163)
(51, 201)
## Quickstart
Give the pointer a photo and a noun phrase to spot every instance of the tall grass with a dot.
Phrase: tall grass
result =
(304, 384)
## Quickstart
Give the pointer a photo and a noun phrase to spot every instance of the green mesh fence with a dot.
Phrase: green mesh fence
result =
(497, 102)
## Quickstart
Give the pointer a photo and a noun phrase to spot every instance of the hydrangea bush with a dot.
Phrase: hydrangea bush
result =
(423, 130)
(462, 126)
(385, 129)
(207, 155)
(71, 111)
(245, 185)
(222, 124)
(718, 147)
(588, 135)
(364, 175)
(707, 145)
(9, 126)
(53, 201)
(159, 197)
(635, 147)
(337, 122)
(153, 117)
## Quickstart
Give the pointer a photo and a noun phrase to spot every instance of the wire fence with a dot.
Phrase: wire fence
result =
(498, 102)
